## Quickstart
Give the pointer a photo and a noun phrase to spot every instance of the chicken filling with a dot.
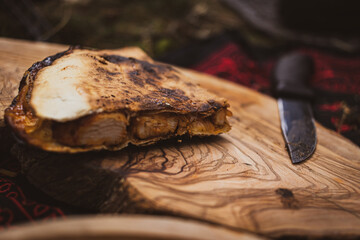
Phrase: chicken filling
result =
(114, 128)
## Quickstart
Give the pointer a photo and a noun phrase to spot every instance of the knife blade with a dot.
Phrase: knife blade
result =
(291, 76)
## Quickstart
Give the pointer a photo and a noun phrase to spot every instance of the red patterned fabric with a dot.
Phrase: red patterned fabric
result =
(333, 75)
(16, 207)
(231, 63)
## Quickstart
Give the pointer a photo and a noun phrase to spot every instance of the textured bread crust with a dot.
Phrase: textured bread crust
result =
(79, 83)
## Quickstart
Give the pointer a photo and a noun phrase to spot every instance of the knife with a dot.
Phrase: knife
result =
(291, 75)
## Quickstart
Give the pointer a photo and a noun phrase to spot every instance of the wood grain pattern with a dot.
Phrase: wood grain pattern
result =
(243, 179)
(131, 227)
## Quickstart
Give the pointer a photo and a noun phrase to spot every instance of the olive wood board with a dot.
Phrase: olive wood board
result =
(106, 227)
(243, 179)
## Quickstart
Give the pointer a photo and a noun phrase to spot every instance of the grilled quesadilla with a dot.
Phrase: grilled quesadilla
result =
(82, 100)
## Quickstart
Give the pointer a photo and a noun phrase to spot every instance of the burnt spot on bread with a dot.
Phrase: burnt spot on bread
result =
(64, 68)
(113, 73)
(102, 61)
(165, 98)
(115, 58)
(133, 60)
(150, 68)
(190, 84)
(170, 68)
(127, 101)
(204, 107)
(176, 94)
(134, 77)
(154, 70)
(151, 81)
(101, 71)
(136, 99)
(134, 73)
(215, 104)
(151, 102)
(210, 104)
(173, 77)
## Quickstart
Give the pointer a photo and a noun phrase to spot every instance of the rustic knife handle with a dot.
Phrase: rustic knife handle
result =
(291, 76)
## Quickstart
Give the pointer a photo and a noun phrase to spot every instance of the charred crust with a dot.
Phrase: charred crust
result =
(154, 103)
(151, 81)
(215, 104)
(135, 73)
(204, 107)
(102, 61)
(177, 99)
(134, 77)
(78, 47)
(127, 101)
(176, 77)
(23, 80)
(107, 72)
(150, 68)
(115, 58)
(190, 84)
(153, 69)
(136, 99)
(157, 98)
(14, 101)
(176, 94)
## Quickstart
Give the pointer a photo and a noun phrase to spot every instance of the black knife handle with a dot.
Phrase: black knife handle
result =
(291, 76)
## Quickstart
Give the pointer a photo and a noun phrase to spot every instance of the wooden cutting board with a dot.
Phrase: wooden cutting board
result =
(125, 227)
(243, 179)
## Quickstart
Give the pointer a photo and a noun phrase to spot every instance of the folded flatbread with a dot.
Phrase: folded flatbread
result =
(82, 100)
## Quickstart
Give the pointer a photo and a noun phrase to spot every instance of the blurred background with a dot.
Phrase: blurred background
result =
(159, 26)
(156, 26)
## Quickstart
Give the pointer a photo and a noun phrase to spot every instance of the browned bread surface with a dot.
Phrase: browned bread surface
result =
(78, 84)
